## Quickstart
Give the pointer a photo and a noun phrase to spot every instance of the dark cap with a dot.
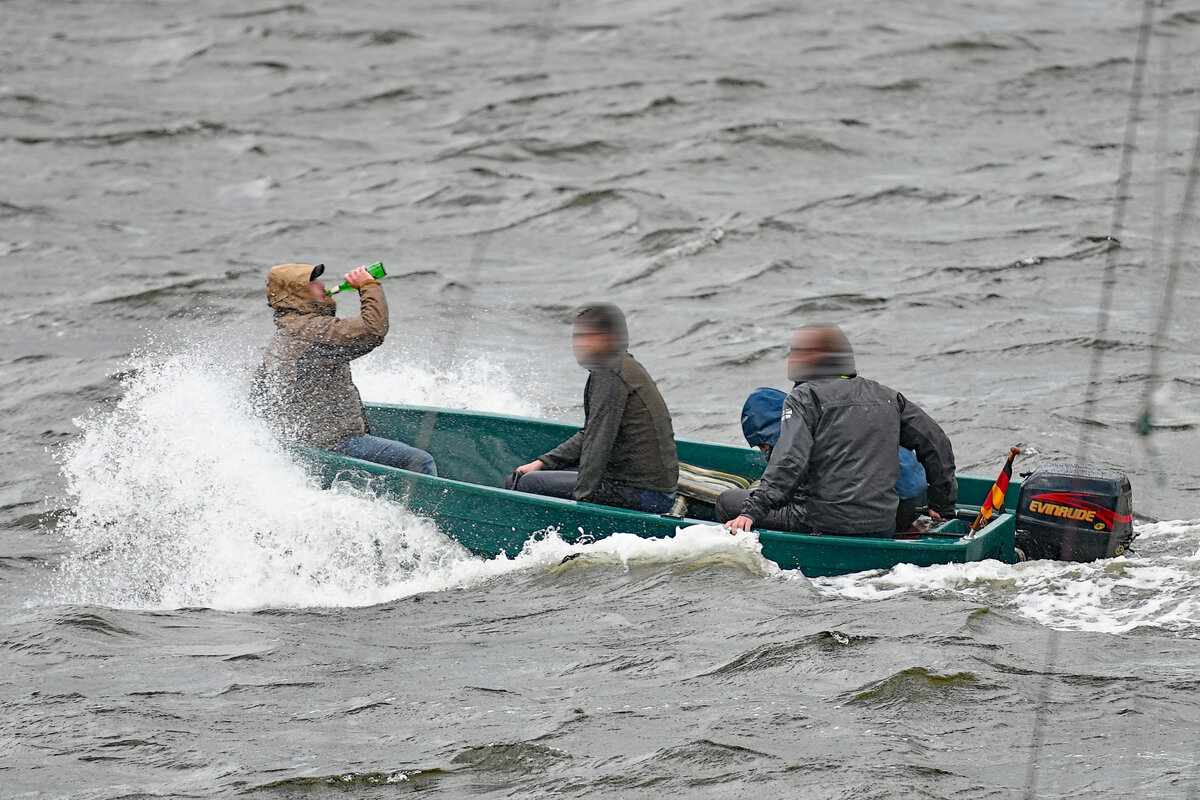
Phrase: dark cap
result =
(317, 271)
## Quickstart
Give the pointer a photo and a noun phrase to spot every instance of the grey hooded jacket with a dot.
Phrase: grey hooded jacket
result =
(836, 460)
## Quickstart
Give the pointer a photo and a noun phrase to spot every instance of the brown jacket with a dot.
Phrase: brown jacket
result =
(304, 382)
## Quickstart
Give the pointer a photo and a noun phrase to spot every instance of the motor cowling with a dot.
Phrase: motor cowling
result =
(1075, 512)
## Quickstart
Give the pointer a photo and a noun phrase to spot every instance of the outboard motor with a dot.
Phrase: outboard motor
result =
(1074, 512)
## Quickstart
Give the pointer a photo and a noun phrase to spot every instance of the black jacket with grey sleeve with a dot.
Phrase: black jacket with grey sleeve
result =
(626, 436)
(836, 460)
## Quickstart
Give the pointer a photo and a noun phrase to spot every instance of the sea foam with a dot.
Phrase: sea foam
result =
(1157, 586)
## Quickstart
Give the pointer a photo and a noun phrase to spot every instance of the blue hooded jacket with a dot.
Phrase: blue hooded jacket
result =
(762, 413)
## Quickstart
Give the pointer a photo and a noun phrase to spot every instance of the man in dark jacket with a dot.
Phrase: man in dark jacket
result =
(625, 453)
(304, 384)
(761, 416)
(834, 468)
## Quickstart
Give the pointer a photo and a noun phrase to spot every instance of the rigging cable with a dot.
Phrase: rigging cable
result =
(1116, 230)
(1158, 345)
(479, 250)
(1098, 345)
(1158, 235)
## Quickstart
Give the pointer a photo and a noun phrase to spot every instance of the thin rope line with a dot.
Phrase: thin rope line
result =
(479, 249)
(1039, 719)
(1158, 239)
(484, 239)
(1115, 231)
(1154, 379)
(1105, 312)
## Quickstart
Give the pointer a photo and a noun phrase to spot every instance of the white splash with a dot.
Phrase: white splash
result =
(478, 384)
(1158, 586)
(182, 498)
(694, 545)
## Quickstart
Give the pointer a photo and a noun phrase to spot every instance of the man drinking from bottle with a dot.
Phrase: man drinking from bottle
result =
(304, 382)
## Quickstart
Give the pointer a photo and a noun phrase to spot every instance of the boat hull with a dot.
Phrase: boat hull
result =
(475, 452)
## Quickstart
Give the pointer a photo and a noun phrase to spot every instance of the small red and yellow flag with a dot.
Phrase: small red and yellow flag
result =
(995, 498)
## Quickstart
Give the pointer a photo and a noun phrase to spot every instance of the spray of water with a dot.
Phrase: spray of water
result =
(479, 384)
(181, 497)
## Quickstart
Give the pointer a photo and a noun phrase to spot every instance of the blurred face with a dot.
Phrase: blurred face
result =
(804, 354)
(590, 345)
(317, 290)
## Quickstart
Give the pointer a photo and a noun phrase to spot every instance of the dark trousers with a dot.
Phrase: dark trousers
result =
(906, 512)
(729, 506)
(561, 483)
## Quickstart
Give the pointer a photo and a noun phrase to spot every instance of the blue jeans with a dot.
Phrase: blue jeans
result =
(388, 452)
(561, 483)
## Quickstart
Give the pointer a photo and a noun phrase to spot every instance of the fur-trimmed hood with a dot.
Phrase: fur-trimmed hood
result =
(287, 291)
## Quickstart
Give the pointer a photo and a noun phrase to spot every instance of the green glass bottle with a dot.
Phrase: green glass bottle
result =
(376, 271)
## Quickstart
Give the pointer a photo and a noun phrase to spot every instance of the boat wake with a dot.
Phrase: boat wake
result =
(181, 497)
(693, 547)
(1156, 587)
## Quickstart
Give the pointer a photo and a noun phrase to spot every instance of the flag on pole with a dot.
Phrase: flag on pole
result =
(995, 498)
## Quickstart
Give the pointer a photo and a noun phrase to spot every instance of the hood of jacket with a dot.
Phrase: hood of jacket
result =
(761, 416)
(287, 291)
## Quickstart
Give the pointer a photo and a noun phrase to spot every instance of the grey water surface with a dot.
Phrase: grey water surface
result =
(179, 612)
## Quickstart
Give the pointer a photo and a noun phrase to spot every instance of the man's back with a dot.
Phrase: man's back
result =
(837, 456)
(834, 468)
(853, 464)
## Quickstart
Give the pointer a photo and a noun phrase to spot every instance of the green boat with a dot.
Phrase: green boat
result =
(476, 451)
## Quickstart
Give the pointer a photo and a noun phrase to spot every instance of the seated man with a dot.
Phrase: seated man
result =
(834, 468)
(304, 383)
(625, 453)
(761, 415)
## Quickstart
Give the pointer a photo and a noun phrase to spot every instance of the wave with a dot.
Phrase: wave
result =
(14, 210)
(180, 497)
(911, 686)
(366, 37)
(701, 239)
(400, 94)
(513, 150)
(1081, 250)
(194, 128)
(289, 8)
(594, 209)
(980, 43)
(654, 106)
(1181, 19)
(777, 134)
(836, 303)
(730, 82)
(901, 85)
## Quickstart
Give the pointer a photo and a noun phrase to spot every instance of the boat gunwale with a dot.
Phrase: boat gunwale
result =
(938, 541)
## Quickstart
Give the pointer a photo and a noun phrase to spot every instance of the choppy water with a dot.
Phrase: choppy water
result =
(184, 614)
